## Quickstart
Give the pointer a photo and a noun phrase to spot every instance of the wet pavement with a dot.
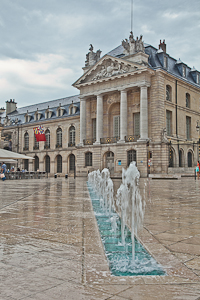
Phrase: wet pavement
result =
(50, 247)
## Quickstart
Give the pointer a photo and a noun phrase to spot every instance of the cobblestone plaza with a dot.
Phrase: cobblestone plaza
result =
(50, 246)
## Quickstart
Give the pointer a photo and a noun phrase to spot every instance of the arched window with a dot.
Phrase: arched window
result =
(187, 99)
(131, 156)
(59, 138)
(59, 164)
(189, 156)
(171, 157)
(180, 158)
(71, 162)
(47, 135)
(88, 159)
(36, 144)
(168, 93)
(47, 163)
(72, 136)
(36, 161)
(26, 141)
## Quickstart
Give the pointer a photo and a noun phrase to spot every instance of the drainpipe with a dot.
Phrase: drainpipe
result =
(176, 111)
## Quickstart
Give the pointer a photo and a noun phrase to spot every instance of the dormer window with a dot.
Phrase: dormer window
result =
(72, 109)
(165, 62)
(37, 115)
(47, 115)
(184, 71)
(60, 111)
(198, 79)
(27, 117)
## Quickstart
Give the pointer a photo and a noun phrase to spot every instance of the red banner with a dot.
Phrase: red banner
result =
(39, 134)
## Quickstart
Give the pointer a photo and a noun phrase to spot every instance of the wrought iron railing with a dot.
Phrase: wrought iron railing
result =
(25, 148)
(35, 147)
(109, 140)
(58, 145)
(71, 144)
(89, 141)
(46, 146)
(132, 138)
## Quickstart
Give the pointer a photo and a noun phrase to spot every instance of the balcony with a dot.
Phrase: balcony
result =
(132, 138)
(109, 140)
(36, 147)
(72, 144)
(58, 145)
(25, 148)
(46, 146)
(89, 141)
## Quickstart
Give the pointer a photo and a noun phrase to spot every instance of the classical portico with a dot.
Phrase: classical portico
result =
(123, 114)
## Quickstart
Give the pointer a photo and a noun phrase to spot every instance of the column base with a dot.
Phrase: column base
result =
(97, 143)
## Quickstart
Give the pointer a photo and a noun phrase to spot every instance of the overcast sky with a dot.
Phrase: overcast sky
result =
(43, 43)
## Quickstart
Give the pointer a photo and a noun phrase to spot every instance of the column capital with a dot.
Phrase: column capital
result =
(82, 97)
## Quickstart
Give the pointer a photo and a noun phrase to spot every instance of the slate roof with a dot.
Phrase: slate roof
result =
(155, 62)
(42, 107)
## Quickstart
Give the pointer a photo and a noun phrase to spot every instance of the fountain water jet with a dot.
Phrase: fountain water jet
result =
(128, 199)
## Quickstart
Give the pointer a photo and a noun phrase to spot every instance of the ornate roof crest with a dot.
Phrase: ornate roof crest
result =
(133, 46)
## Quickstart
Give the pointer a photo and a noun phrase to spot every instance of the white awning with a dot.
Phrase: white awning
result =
(12, 155)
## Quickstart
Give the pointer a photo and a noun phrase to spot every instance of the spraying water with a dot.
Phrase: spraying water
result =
(128, 201)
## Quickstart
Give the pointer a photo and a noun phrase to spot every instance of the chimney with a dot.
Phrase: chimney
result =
(11, 106)
(163, 46)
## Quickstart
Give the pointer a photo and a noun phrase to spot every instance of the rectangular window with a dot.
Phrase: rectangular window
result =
(88, 159)
(116, 126)
(169, 122)
(136, 124)
(94, 129)
(188, 128)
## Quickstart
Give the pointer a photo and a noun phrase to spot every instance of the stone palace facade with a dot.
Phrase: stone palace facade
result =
(136, 103)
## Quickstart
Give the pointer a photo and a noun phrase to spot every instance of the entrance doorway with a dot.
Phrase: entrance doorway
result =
(71, 162)
(110, 162)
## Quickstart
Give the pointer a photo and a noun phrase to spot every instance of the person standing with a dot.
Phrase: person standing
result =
(4, 167)
(198, 169)
(3, 170)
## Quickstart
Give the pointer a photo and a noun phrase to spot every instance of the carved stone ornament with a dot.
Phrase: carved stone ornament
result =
(133, 46)
(110, 68)
(164, 136)
(92, 57)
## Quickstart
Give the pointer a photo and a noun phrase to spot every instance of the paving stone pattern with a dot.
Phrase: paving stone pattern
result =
(50, 247)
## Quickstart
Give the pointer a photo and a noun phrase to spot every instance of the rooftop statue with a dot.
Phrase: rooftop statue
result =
(133, 46)
(92, 57)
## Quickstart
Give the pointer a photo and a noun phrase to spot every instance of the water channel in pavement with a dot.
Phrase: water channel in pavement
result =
(126, 255)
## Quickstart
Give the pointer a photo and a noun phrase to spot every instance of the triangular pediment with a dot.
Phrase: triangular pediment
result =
(106, 68)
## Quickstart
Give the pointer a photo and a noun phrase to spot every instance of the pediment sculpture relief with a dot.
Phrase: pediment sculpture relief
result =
(110, 68)
(133, 46)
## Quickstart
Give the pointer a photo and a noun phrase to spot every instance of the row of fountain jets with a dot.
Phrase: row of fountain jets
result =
(127, 203)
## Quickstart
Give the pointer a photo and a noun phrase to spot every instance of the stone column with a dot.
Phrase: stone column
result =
(99, 120)
(123, 115)
(143, 113)
(82, 120)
